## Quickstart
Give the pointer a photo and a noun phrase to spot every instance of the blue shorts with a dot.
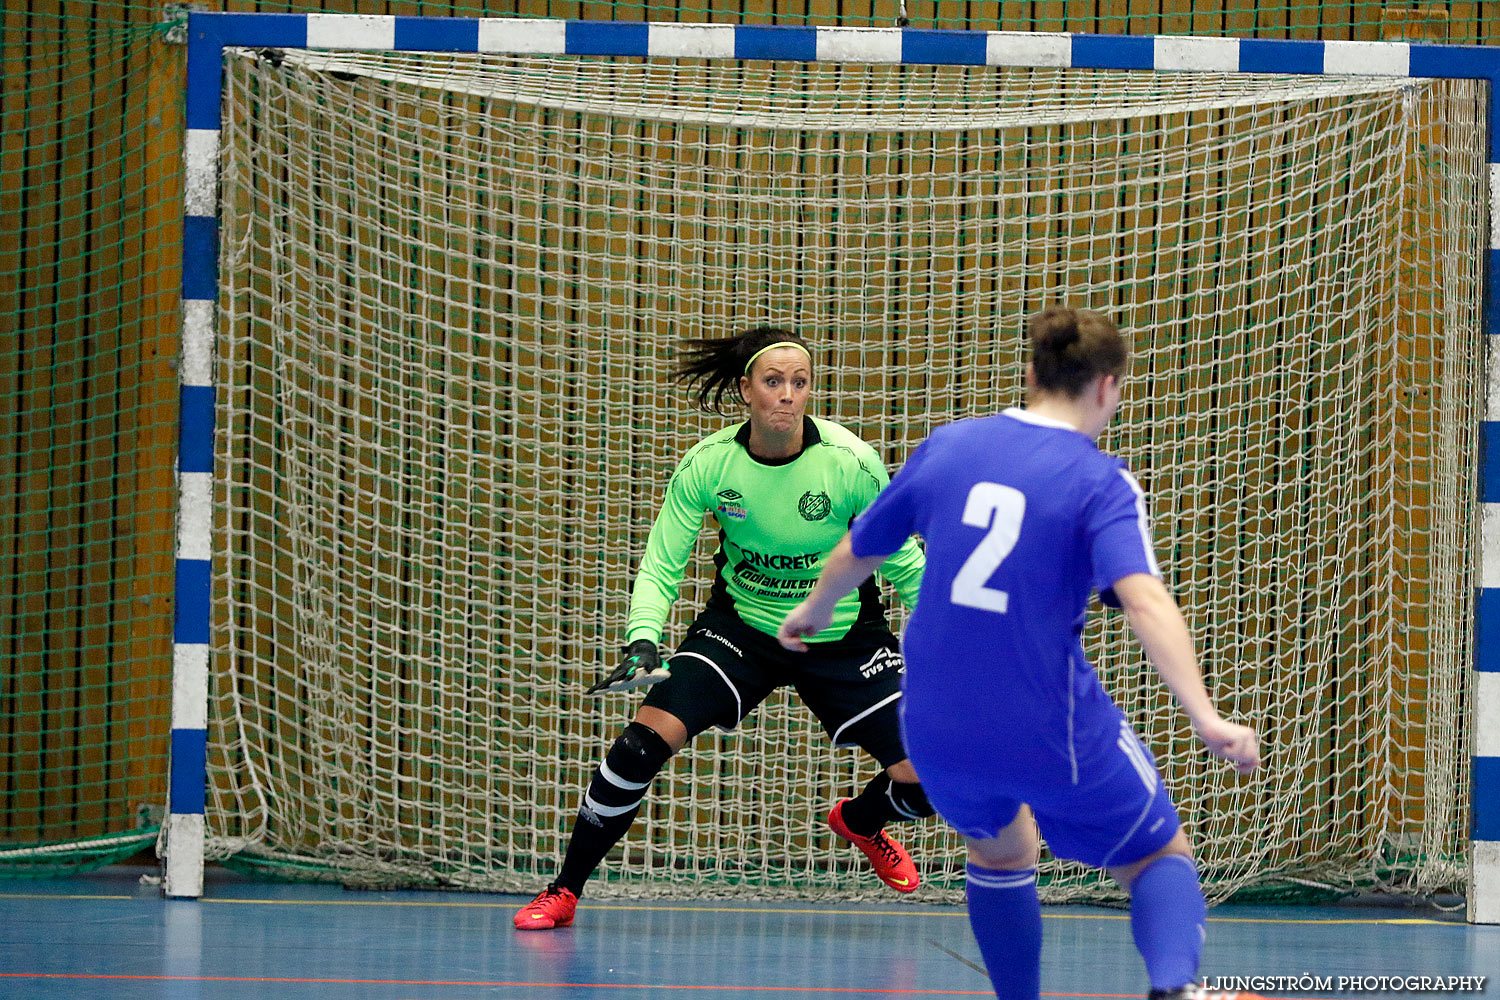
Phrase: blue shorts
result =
(1116, 812)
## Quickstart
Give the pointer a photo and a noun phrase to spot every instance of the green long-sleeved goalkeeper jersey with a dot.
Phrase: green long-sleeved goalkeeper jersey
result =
(778, 520)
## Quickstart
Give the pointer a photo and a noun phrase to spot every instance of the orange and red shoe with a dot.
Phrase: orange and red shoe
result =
(1194, 991)
(552, 907)
(894, 866)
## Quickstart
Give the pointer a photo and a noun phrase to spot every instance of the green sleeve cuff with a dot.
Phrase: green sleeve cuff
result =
(643, 632)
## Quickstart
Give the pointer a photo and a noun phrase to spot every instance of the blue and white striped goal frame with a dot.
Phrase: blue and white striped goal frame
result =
(209, 33)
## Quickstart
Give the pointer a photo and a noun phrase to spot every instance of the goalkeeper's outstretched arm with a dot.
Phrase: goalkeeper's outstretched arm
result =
(657, 582)
(669, 546)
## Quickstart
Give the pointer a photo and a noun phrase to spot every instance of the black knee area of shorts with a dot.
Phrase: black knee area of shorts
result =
(638, 753)
(910, 800)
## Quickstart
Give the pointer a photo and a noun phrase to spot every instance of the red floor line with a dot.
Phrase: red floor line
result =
(873, 991)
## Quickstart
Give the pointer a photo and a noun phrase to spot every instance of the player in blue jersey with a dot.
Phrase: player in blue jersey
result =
(1003, 717)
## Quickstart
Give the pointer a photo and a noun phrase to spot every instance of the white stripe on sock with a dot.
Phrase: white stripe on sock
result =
(990, 879)
(604, 810)
(619, 782)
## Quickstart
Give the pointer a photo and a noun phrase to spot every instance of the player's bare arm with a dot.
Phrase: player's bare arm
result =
(842, 572)
(1158, 623)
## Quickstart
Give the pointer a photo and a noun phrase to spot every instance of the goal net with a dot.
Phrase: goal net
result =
(453, 289)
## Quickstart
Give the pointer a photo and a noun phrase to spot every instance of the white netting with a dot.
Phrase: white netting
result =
(453, 290)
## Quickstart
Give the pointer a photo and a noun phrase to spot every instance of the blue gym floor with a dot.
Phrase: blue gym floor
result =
(106, 935)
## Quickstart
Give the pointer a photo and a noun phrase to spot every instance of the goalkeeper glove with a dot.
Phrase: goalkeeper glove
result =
(641, 667)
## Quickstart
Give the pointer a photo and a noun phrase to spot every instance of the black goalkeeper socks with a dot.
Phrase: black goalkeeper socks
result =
(611, 801)
(884, 801)
(588, 846)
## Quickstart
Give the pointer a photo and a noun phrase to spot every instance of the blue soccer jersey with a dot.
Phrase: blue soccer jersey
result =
(1023, 517)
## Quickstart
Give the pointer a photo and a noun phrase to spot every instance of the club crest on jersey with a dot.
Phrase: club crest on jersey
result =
(731, 504)
(814, 506)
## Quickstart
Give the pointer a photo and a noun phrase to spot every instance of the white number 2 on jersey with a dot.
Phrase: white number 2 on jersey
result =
(1000, 509)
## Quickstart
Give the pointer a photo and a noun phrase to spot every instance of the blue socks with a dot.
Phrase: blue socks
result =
(1167, 915)
(1007, 922)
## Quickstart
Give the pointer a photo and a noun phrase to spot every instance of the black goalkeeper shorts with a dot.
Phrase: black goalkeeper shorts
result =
(724, 668)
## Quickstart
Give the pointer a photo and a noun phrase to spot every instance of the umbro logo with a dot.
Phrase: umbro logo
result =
(731, 504)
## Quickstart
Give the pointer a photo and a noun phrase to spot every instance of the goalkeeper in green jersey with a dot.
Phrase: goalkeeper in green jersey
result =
(783, 488)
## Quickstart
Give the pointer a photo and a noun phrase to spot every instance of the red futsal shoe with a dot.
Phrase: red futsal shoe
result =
(894, 866)
(553, 907)
(1194, 991)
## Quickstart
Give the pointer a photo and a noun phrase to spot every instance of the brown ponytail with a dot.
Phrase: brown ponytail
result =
(714, 366)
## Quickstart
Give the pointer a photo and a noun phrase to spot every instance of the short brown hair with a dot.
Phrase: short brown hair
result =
(1070, 347)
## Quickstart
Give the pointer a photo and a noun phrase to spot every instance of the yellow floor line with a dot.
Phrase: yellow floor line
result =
(670, 908)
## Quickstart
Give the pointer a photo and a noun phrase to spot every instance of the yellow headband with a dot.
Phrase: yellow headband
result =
(772, 347)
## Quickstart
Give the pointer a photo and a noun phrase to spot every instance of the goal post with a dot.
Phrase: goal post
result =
(434, 270)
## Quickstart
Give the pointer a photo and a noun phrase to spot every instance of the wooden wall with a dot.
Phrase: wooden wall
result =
(89, 134)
